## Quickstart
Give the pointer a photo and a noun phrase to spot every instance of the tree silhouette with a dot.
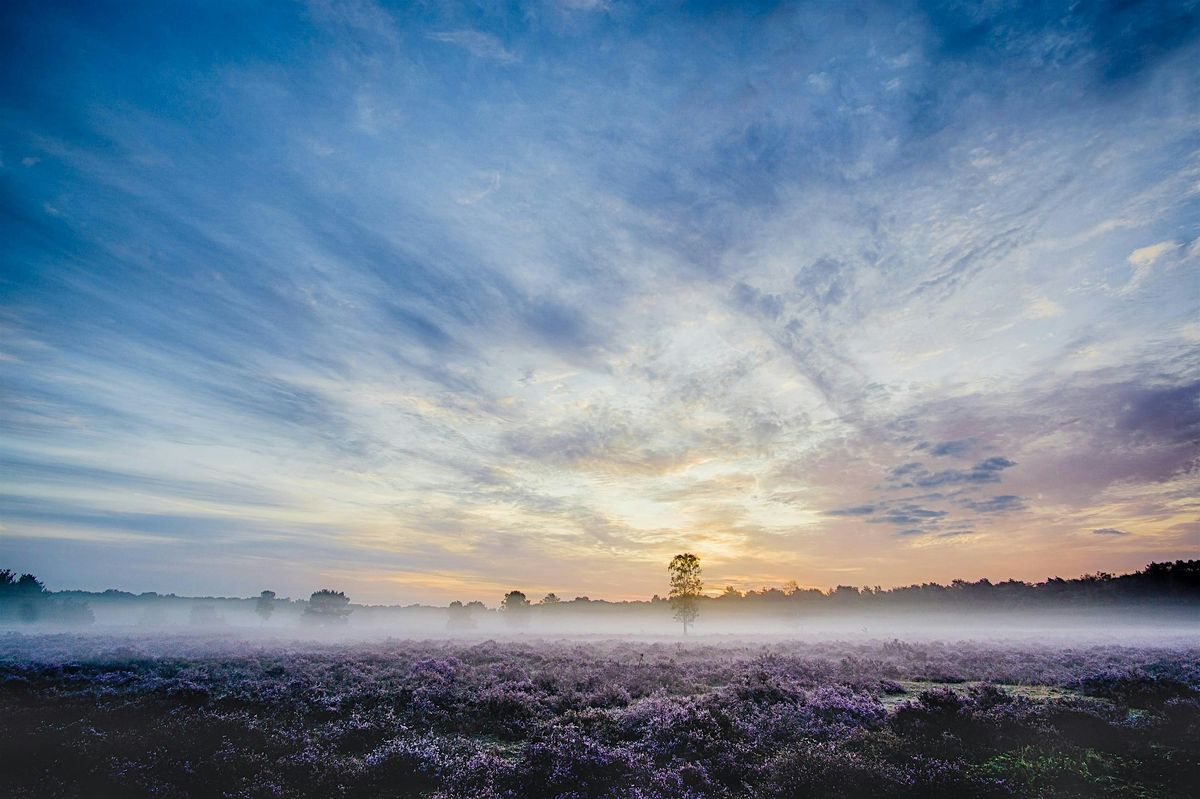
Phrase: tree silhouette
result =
(458, 616)
(265, 605)
(515, 608)
(29, 593)
(29, 585)
(327, 607)
(685, 588)
(550, 599)
(27, 599)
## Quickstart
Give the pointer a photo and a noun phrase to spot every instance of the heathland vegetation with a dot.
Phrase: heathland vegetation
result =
(194, 716)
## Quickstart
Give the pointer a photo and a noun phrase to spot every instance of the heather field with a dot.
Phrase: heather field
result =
(190, 716)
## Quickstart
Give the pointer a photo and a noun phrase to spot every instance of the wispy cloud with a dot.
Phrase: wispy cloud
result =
(489, 295)
(1143, 260)
(477, 43)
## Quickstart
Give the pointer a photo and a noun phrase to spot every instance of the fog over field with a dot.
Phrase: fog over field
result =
(1160, 602)
(1047, 627)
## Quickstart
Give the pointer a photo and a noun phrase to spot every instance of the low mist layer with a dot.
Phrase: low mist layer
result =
(1161, 601)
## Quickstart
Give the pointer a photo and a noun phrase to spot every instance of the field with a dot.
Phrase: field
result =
(189, 717)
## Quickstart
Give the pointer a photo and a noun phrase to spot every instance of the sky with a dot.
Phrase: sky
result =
(430, 301)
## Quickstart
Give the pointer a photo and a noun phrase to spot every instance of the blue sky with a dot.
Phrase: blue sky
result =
(432, 301)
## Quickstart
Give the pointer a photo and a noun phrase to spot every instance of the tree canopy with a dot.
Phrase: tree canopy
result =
(686, 586)
(328, 607)
(515, 607)
(265, 605)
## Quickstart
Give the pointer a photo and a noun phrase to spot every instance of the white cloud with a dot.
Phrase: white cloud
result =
(1147, 256)
(478, 44)
(1143, 259)
(1043, 308)
(584, 5)
(493, 183)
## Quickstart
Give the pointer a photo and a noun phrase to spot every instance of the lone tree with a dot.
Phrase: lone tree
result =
(685, 588)
(327, 607)
(515, 608)
(265, 605)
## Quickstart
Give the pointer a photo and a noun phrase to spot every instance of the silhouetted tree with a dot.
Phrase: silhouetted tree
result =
(550, 599)
(27, 599)
(514, 600)
(458, 616)
(265, 605)
(29, 593)
(327, 607)
(29, 585)
(515, 607)
(685, 588)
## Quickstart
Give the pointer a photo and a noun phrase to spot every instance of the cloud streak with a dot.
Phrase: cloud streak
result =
(550, 296)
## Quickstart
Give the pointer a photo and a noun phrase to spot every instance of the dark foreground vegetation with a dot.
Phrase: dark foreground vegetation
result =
(185, 717)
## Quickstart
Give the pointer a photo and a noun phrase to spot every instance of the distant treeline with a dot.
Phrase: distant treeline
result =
(23, 599)
(1158, 582)
(1172, 583)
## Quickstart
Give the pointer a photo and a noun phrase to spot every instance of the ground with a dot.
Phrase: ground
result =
(194, 717)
